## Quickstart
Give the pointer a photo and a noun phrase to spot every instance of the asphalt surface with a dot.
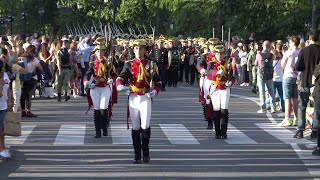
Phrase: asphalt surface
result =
(254, 149)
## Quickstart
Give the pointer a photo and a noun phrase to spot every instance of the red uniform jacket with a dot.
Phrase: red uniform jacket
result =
(132, 70)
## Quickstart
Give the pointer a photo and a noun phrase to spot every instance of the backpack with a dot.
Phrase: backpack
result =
(46, 73)
(65, 58)
(175, 58)
(266, 68)
(24, 77)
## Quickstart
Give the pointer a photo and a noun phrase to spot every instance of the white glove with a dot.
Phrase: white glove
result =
(152, 94)
(202, 71)
(122, 88)
(229, 84)
(311, 90)
(86, 84)
(220, 72)
(91, 85)
(110, 81)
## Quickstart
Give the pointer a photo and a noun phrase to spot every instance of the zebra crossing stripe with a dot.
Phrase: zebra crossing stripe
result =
(235, 136)
(120, 134)
(281, 133)
(25, 132)
(178, 134)
(71, 134)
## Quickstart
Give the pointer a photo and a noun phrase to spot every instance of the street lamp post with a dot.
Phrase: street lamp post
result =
(2, 23)
(24, 19)
(10, 20)
(219, 18)
(100, 4)
(314, 21)
(41, 12)
(158, 18)
(114, 10)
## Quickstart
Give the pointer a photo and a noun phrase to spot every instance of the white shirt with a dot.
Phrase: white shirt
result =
(4, 98)
(25, 45)
(291, 56)
(31, 65)
(16, 83)
(243, 57)
(278, 71)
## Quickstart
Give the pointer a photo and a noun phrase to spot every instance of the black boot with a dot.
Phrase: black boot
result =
(104, 121)
(66, 97)
(224, 123)
(210, 124)
(145, 144)
(59, 97)
(216, 121)
(97, 123)
(204, 109)
(254, 89)
(136, 139)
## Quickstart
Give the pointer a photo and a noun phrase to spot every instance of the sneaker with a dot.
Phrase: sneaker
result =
(314, 135)
(243, 84)
(5, 154)
(285, 122)
(295, 122)
(273, 110)
(261, 111)
(30, 114)
(23, 114)
(66, 98)
(298, 135)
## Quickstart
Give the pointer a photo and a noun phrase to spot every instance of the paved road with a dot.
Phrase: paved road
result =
(60, 144)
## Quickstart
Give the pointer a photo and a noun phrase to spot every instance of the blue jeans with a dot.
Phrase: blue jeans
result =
(239, 72)
(290, 88)
(277, 86)
(262, 92)
(304, 94)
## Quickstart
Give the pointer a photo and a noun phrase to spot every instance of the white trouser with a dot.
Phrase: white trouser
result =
(100, 97)
(140, 111)
(16, 96)
(48, 91)
(220, 99)
(206, 87)
(201, 82)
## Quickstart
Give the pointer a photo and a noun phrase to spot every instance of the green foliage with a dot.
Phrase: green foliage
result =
(271, 19)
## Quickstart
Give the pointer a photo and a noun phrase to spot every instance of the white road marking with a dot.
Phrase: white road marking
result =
(178, 134)
(25, 132)
(71, 134)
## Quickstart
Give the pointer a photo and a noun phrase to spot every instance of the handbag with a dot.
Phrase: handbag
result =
(12, 124)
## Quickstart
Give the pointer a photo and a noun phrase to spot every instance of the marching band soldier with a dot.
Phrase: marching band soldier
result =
(219, 92)
(145, 83)
(127, 53)
(182, 48)
(200, 62)
(189, 67)
(98, 81)
(118, 54)
(173, 59)
(197, 54)
(205, 65)
(160, 54)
